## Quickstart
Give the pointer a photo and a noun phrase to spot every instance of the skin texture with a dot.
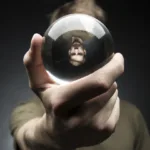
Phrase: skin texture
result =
(73, 111)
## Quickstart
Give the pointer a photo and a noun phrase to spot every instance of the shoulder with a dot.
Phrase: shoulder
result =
(138, 124)
(32, 100)
(30, 106)
(132, 114)
(130, 110)
(128, 107)
(25, 111)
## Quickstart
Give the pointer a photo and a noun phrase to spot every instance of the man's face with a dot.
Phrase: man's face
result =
(77, 52)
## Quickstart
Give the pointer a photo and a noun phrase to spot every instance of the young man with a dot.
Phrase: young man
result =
(77, 52)
(85, 114)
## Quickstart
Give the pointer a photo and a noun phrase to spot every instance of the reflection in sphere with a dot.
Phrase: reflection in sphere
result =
(75, 46)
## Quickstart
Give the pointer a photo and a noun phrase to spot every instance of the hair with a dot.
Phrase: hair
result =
(88, 7)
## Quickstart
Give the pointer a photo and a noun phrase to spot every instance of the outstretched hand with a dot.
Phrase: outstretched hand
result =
(80, 113)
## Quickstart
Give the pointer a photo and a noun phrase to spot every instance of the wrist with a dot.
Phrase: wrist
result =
(39, 136)
(36, 136)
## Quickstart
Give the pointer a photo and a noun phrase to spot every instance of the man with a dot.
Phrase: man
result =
(84, 114)
(77, 52)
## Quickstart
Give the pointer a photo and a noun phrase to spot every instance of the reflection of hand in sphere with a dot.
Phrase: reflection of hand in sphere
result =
(77, 52)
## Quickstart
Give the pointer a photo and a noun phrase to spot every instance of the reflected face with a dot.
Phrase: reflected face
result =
(77, 52)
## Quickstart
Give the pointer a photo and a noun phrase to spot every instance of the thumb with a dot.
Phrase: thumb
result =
(37, 75)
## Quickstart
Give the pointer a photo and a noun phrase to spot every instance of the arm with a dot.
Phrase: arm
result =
(25, 111)
(33, 136)
(26, 126)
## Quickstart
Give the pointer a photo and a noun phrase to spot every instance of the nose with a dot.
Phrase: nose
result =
(76, 51)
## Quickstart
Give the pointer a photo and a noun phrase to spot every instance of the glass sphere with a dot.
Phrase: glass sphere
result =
(76, 45)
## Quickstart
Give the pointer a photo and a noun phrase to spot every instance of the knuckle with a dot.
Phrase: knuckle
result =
(121, 67)
(27, 59)
(110, 126)
(120, 62)
(56, 106)
(102, 83)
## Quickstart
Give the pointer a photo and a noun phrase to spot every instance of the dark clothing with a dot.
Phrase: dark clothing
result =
(131, 131)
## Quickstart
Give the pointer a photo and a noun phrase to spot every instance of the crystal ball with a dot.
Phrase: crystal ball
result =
(75, 46)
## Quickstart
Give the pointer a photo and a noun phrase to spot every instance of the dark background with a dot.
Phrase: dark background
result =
(128, 21)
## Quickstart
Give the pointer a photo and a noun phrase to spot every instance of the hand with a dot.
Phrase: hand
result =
(83, 112)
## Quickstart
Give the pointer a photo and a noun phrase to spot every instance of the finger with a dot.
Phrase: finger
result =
(84, 113)
(114, 117)
(77, 92)
(99, 120)
(94, 105)
(38, 77)
(109, 72)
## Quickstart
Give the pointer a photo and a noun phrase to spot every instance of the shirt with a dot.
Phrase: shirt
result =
(131, 131)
